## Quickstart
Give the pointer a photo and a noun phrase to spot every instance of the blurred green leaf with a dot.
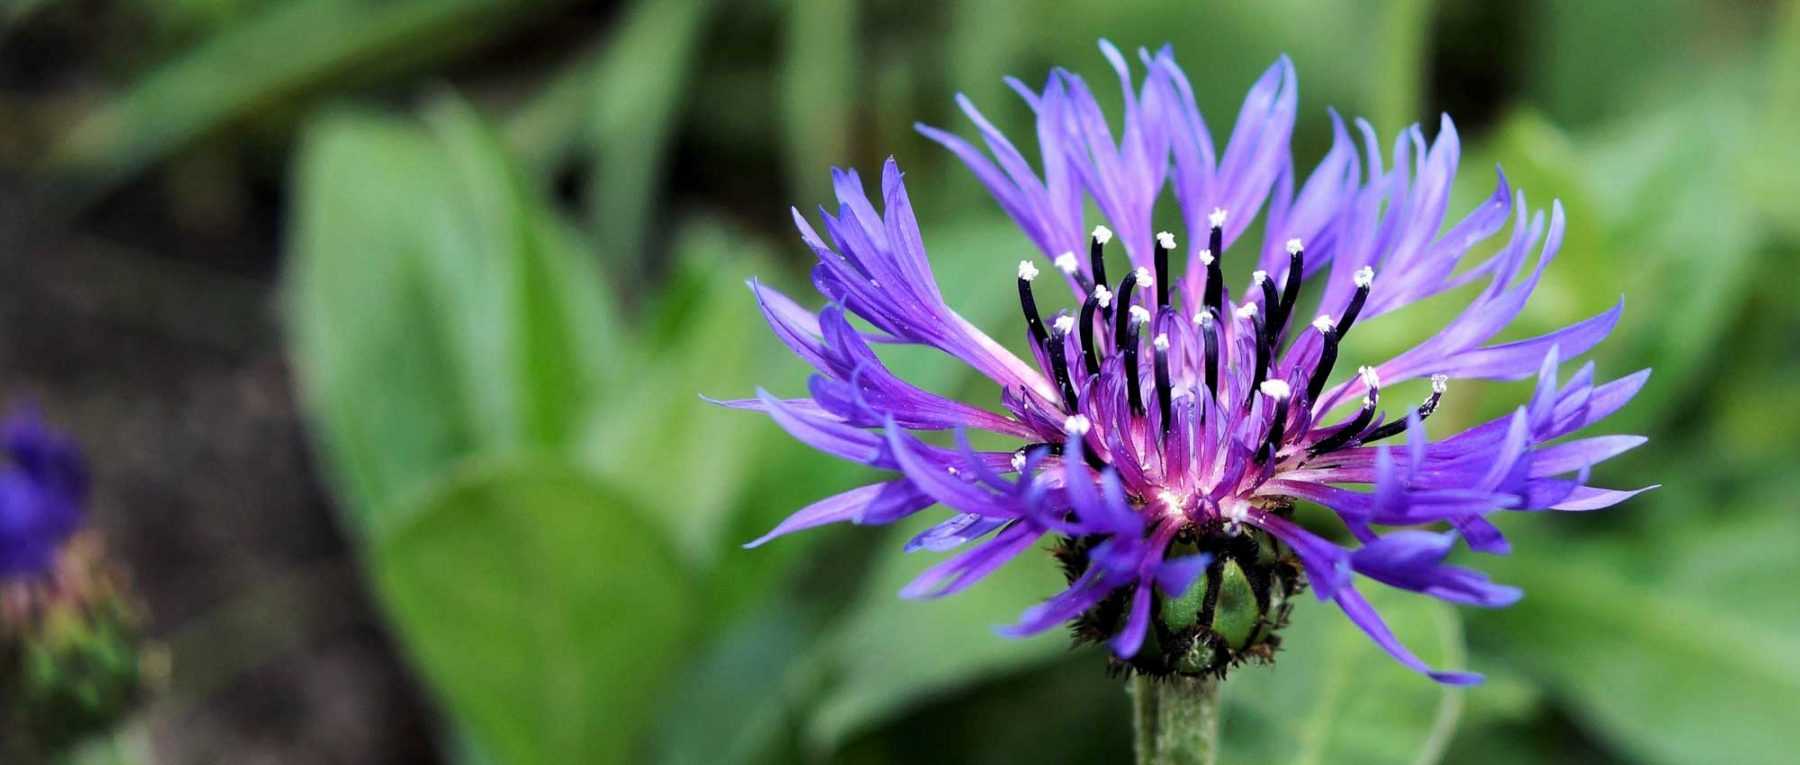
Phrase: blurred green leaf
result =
(701, 335)
(1651, 217)
(639, 88)
(436, 311)
(1588, 58)
(1334, 697)
(543, 609)
(287, 51)
(818, 90)
(549, 327)
(1771, 165)
(888, 655)
(1677, 649)
(754, 658)
(375, 364)
(1405, 27)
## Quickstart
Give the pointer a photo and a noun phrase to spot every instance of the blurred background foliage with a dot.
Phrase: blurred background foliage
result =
(502, 246)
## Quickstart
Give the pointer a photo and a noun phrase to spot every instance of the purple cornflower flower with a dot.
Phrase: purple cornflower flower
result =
(43, 483)
(1170, 426)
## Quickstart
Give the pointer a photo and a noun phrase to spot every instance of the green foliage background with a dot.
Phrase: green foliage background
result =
(505, 295)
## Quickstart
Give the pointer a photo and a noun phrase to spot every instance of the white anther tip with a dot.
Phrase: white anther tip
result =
(1018, 462)
(1205, 257)
(1140, 315)
(1076, 425)
(1369, 376)
(1145, 279)
(1066, 262)
(1246, 311)
(1064, 324)
(1103, 296)
(1166, 239)
(1259, 276)
(1275, 389)
(1217, 218)
(1294, 246)
(1161, 342)
(1102, 234)
(1027, 271)
(1203, 320)
(1364, 276)
(1440, 383)
(1323, 323)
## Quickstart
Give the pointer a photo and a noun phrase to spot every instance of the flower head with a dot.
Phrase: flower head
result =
(43, 483)
(1169, 426)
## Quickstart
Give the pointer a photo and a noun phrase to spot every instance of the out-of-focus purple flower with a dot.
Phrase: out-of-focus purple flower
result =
(1169, 425)
(43, 485)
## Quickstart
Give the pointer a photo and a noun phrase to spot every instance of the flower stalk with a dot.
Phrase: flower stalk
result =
(1175, 720)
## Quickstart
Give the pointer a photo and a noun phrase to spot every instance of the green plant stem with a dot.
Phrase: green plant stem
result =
(1175, 721)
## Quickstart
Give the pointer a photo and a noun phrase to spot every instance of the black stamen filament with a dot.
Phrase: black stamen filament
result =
(1090, 351)
(1351, 311)
(1272, 309)
(1093, 460)
(1128, 348)
(1290, 291)
(1322, 372)
(1032, 321)
(1097, 260)
(1215, 279)
(1276, 427)
(1059, 365)
(1162, 271)
(1209, 338)
(1425, 409)
(1259, 372)
(1344, 435)
(1122, 305)
(1164, 392)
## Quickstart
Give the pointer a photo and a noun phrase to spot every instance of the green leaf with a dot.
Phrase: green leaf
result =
(639, 88)
(1333, 696)
(702, 335)
(544, 611)
(286, 52)
(889, 656)
(1770, 166)
(436, 310)
(818, 91)
(375, 359)
(546, 298)
(1675, 648)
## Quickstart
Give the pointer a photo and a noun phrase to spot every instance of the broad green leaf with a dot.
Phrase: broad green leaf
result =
(546, 324)
(889, 656)
(702, 335)
(705, 720)
(436, 310)
(545, 611)
(287, 52)
(1674, 649)
(1332, 696)
(375, 357)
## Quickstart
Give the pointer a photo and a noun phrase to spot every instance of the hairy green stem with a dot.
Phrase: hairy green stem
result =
(1175, 721)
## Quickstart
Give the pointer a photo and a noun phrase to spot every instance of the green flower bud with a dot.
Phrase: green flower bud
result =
(69, 655)
(1229, 615)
